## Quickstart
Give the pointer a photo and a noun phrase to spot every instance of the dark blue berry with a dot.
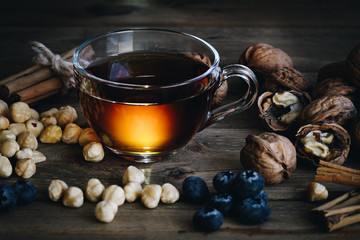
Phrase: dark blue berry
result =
(208, 219)
(222, 181)
(195, 190)
(262, 195)
(248, 184)
(222, 202)
(26, 192)
(8, 198)
(252, 211)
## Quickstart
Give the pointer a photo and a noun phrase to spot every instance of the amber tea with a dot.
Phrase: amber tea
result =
(150, 122)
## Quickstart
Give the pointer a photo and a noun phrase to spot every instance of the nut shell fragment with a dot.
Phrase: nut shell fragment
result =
(339, 147)
(271, 155)
(281, 79)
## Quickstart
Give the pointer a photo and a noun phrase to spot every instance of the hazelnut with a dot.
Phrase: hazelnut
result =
(5, 167)
(5, 135)
(57, 189)
(317, 192)
(71, 133)
(34, 126)
(105, 211)
(49, 113)
(328, 142)
(271, 155)
(150, 195)
(38, 157)
(73, 197)
(25, 168)
(93, 152)
(329, 109)
(88, 135)
(51, 134)
(47, 121)
(169, 193)
(4, 108)
(8, 148)
(132, 191)
(133, 174)
(17, 128)
(24, 153)
(4, 122)
(27, 140)
(65, 115)
(19, 112)
(34, 114)
(115, 194)
(94, 190)
(280, 110)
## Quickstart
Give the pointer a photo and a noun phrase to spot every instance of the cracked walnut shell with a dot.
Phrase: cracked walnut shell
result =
(328, 142)
(271, 155)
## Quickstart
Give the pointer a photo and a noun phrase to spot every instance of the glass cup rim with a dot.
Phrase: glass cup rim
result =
(78, 67)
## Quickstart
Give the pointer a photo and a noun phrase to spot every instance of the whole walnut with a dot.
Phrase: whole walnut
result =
(334, 86)
(262, 58)
(355, 132)
(329, 109)
(284, 78)
(352, 66)
(331, 70)
(271, 155)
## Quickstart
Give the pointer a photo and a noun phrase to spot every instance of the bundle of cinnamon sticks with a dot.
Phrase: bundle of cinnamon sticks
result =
(32, 84)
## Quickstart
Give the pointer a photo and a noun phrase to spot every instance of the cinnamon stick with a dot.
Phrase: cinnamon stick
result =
(328, 172)
(338, 213)
(29, 78)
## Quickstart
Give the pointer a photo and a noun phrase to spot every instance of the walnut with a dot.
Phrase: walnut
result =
(271, 155)
(280, 110)
(285, 78)
(220, 93)
(328, 142)
(331, 70)
(355, 132)
(334, 86)
(262, 58)
(329, 109)
(352, 65)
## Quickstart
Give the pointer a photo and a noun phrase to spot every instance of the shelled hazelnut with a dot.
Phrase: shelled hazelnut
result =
(4, 122)
(51, 134)
(17, 128)
(34, 126)
(93, 152)
(25, 168)
(105, 211)
(132, 191)
(65, 115)
(169, 193)
(71, 133)
(27, 140)
(4, 108)
(115, 194)
(9, 147)
(57, 189)
(88, 135)
(150, 195)
(5, 167)
(73, 197)
(133, 174)
(94, 190)
(19, 112)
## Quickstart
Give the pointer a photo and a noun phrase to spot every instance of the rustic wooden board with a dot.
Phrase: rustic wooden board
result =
(313, 33)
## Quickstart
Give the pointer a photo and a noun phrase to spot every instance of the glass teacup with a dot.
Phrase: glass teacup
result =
(147, 92)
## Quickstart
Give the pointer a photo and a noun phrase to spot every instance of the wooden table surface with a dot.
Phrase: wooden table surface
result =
(313, 33)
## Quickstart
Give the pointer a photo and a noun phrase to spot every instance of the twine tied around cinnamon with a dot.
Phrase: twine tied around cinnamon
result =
(63, 69)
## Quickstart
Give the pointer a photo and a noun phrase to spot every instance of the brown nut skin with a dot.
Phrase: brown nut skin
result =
(285, 78)
(220, 93)
(271, 155)
(329, 109)
(331, 70)
(269, 116)
(352, 66)
(334, 86)
(340, 149)
(262, 58)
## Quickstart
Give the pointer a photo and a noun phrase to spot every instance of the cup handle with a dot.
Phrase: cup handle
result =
(240, 105)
